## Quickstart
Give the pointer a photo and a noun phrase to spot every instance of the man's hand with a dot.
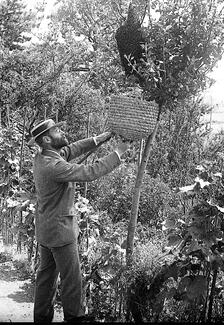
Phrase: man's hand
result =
(103, 137)
(122, 147)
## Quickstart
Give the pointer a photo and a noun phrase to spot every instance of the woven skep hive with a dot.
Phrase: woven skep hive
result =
(131, 117)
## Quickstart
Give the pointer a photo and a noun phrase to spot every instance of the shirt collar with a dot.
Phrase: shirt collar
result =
(51, 153)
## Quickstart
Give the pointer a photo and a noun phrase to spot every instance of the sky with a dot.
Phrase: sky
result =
(217, 90)
(32, 3)
(48, 9)
(214, 96)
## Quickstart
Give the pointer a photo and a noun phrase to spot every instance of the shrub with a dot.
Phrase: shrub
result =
(113, 194)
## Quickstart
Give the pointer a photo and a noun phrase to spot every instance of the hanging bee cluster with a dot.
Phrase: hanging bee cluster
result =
(130, 42)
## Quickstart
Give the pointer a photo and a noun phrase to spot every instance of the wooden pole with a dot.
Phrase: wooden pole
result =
(87, 134)
(22, 144)
(140, 152)
(136, 195)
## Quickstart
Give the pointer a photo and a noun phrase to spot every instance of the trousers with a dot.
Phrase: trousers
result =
(54, 261)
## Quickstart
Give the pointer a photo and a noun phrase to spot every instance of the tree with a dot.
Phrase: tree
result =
(179, 143)
(93, 23)
(15, 23)
(183, 45)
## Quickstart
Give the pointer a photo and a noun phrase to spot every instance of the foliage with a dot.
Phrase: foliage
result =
(183, 44)
(17, 203)
(15, 22)
(196, 241)
(70, 74)
(5, 257)
(185, 283)
(148, 279)
(180, 143)
(102, 257)
(102, 253)
(113, 193)
(94, 22)
(169, 84)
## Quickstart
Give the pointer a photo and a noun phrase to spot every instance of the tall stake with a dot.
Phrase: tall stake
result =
(22, 143)
(212, 293)
(87, 134)
(136, 194)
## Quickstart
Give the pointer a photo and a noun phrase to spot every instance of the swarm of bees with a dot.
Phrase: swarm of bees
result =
(130, 42)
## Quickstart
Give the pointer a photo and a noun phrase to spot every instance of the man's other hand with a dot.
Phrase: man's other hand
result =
(122, 147)
(103, 137)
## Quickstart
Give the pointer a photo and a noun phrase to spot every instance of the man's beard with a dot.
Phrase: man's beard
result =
(58, 143)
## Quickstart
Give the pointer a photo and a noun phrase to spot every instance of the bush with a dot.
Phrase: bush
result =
(103, 261)
(156, 202)
(113, 194)
(146, 281)
(5, 257)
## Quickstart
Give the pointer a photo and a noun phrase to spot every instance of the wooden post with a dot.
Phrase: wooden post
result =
(136, 195)
(87, 134)
(140, 152)
(19, 240)
(212, 292)
(22, 144)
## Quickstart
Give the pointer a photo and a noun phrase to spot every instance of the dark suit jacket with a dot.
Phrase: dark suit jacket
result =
(54, 178)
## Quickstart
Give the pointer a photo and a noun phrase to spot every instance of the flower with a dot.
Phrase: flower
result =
(81, 207)
(82, 204)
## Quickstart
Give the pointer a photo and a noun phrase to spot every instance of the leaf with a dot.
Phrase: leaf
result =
(184, 283)
(200, 168)
(172, 272)
(188, 188)
(171, 293)
(196, 231)
(197, 288)
(3, 187)
(219, 175)
(96, 231)
(124, 244)
(221, 209)
(170, 223)
(114, 251)
(94, 217)
(181, 221)
(202, 182)
(92, 240)
(12, 203)
(23, 196)
(174, 240)
(192, 247)
(24, 205)
(82, 224)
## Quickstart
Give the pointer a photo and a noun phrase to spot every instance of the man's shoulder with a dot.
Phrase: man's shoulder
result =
(46, 161)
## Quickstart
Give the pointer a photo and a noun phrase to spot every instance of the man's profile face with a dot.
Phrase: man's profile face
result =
(58, 138)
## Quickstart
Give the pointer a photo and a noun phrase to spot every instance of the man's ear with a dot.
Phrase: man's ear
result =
(46, 139)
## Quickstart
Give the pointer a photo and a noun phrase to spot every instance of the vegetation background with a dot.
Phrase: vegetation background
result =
(175, 272)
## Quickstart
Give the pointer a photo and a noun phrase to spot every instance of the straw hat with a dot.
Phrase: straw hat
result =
(42, 127)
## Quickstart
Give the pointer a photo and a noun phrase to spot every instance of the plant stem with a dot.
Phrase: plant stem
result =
(211, 297)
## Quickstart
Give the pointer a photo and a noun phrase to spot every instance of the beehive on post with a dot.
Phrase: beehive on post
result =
(131, 117)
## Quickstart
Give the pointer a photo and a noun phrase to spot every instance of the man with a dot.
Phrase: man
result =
(55, 224)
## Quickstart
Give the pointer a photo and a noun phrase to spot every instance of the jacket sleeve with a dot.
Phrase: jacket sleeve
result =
(63, 171)
(77, 148)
